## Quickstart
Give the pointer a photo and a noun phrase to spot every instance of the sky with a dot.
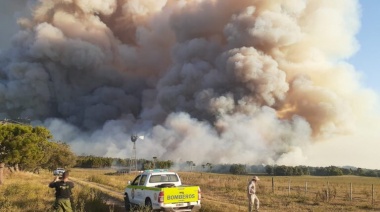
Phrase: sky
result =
(288, 82)
(367, 57)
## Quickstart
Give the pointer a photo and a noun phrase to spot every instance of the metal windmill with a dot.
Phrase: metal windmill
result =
(133, 161)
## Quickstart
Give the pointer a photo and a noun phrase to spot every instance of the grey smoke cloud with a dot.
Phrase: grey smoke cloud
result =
(208, 81)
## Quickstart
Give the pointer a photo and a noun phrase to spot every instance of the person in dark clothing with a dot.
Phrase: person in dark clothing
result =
(62, 193)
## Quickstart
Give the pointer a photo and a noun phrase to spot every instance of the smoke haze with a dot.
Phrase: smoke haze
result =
(217, 81)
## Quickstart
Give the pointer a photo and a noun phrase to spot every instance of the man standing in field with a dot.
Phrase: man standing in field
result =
(251, 193)
(62, 193)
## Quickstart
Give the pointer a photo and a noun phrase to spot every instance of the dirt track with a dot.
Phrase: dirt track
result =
(113, 198)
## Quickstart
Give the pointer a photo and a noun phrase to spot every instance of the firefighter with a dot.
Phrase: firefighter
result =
(251, 194)
(63, 188)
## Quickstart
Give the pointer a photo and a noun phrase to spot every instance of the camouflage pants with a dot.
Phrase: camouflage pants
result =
(62, 205)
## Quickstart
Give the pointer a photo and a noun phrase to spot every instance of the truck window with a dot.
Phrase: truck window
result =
(155, 179)
(143, 179)
(163, 178)
(136, 180)
(172, 178)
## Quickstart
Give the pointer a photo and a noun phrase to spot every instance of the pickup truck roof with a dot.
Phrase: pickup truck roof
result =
(155, 171)
(154, 177)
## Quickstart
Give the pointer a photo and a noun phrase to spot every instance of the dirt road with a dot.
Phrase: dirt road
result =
(112, 197)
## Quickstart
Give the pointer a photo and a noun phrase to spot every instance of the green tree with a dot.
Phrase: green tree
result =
(305, 170)
(370, 173)
(347, 171)
(281, 170)
(22, 146)
(164, 164)
(13, 142)
(60, 156)
(334, 171)
(359, 172)
(269, 169)
(297, 171)
(36, 155)
(148, 165)
(238, 169)
(289, 171)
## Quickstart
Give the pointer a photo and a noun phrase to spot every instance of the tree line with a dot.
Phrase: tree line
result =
(28, 148)
(319, 171)
(91, 161)
(274, 170)
(282, 170)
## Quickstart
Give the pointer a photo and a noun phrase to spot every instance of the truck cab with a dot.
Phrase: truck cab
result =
(160, 189)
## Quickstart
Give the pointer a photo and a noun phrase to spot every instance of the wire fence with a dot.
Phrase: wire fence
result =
(325, 190)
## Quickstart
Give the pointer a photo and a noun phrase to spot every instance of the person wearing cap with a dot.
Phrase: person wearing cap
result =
(62, 193)
(251, 193)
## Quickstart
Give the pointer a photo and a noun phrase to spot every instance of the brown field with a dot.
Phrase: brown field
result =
(220, 192)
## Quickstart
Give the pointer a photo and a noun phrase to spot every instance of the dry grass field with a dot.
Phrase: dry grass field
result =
(220, 192)
(27, 192)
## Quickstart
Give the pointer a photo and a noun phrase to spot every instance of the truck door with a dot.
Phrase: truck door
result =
(141, 190)
(134, 184)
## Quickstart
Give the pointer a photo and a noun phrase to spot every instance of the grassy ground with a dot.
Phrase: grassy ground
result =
(27, 192)
(220, 192)
(223, 192)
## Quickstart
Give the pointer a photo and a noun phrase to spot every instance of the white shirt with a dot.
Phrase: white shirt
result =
(251, 189)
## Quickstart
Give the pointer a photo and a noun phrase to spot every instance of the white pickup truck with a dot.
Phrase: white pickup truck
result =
(161, 190)
(58, 172)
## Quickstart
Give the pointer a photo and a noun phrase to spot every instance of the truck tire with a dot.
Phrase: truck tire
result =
(148, 204)
(127, 203)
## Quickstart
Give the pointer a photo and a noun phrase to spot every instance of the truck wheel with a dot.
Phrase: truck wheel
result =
(148, 204)
(127, 203)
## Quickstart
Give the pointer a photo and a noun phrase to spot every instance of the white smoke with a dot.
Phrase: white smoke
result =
(208, 81)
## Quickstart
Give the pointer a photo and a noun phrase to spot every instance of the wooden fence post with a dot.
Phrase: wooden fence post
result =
(306, 187)
(373, 194)
(328, 192)
(289, 188)
(351, 192)
(272, 185)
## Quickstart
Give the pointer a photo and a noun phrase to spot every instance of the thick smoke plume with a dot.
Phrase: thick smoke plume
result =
(219, 81)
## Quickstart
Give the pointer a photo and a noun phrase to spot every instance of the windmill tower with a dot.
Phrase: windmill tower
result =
(133, 161)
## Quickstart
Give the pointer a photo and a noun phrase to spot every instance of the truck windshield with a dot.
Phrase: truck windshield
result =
(163, 178)
(143, 179)
(136, 180)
